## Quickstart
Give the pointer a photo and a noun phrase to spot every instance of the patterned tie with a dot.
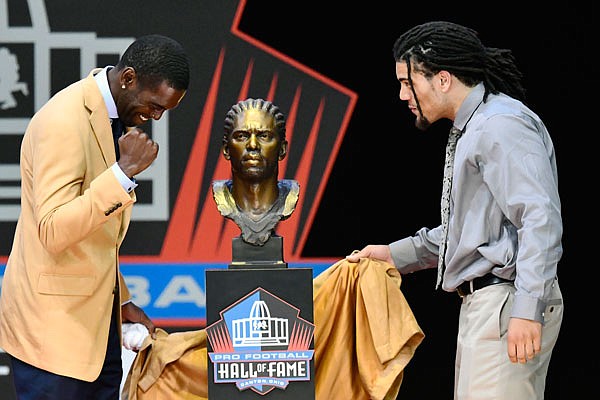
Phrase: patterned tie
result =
(448, 168)
(117, 130)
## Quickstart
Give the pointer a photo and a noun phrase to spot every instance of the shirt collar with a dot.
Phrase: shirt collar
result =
(469, 105)
(102, 81)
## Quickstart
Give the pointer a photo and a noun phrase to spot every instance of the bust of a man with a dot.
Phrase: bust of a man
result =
(254, 198)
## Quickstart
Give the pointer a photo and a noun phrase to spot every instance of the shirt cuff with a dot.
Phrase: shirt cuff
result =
(128, 184)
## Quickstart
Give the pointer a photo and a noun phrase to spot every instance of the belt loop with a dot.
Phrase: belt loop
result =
(471, 286)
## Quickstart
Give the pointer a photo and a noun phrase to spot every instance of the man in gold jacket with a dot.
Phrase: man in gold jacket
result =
(63, 297)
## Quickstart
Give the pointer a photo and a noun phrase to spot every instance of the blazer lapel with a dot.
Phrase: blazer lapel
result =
(99, 120)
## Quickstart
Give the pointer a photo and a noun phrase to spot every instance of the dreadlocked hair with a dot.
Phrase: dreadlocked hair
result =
(440, 45)
(257, 104)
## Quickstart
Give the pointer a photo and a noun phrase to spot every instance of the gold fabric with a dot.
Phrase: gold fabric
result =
(365, 331)
(365, 335)
(172, 366)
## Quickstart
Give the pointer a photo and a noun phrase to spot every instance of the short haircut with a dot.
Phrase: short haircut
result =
(157, 58)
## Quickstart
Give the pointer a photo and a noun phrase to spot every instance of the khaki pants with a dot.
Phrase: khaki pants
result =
(483, 370)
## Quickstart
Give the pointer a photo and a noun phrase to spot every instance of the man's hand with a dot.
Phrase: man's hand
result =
(138, 151)
(134, 314)
(524, 339)
(377, 251)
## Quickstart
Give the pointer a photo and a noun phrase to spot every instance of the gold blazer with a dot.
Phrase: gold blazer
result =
(57, 291)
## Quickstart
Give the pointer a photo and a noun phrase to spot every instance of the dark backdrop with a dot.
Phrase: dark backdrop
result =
(386, 182)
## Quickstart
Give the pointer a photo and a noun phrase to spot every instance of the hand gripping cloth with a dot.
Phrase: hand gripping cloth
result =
(365, 336)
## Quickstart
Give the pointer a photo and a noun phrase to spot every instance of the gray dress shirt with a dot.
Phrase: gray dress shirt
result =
(505, 214)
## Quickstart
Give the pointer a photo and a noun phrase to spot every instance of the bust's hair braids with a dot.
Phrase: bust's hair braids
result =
(440, 45)
(258, 104)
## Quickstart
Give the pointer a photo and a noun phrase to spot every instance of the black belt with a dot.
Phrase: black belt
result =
(480, 282)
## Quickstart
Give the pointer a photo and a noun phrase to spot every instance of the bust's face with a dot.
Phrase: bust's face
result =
(254, 147)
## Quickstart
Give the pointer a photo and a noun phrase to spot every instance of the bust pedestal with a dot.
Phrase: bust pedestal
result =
(269, 255)
(260, 326)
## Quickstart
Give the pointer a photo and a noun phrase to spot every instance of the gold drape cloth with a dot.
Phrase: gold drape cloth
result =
(365, 336)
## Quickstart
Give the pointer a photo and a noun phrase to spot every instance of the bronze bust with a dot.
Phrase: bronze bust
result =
(254, 198)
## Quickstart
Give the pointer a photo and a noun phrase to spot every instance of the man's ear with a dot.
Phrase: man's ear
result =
(225, 150)
(128, 77)
(445, 79)
(283, 150)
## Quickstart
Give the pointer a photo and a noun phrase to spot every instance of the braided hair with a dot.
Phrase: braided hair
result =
(257, 104)
(440, 45)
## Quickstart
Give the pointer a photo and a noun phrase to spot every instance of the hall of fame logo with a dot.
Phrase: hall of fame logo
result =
(261, 343)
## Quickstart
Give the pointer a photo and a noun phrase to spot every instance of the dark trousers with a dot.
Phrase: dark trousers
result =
(32, 383)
